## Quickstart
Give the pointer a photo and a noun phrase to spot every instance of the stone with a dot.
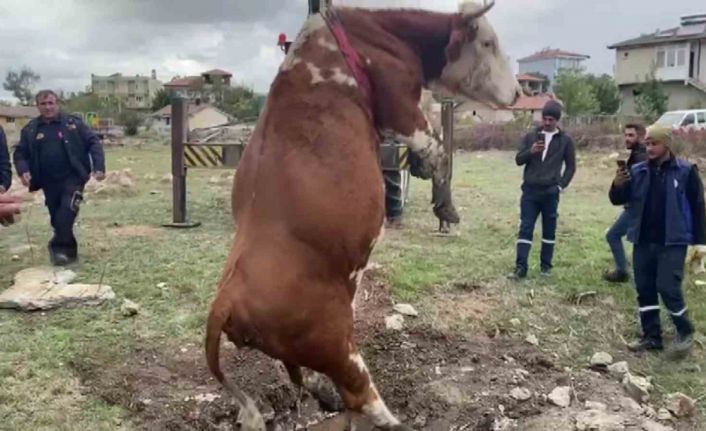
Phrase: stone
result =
(521, 394)
(129, 308)
(532, 339)
(649, 412)
(45, 288)
(598, 420)
(650, 425)
(406, 310)
(618, 370)
(628, 405)
(515, 322)
(504, 424)
(663, 414)
(680, 405)
(595, 405)
(561, 396)
(394, 322)
(601, 360)
(637, 387)
(15, 258)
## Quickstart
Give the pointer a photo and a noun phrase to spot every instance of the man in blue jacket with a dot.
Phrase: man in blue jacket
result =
(545, 153)
(666, 214)
(57, 153)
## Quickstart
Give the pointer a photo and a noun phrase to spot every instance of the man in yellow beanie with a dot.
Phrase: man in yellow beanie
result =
(667, 214)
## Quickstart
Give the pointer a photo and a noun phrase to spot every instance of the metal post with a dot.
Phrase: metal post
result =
(447, 122)
(180, 127)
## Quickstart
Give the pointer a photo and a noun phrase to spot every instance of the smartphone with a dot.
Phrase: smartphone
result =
(540, 137)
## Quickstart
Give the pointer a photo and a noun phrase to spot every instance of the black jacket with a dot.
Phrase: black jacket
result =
(5, 167)
(637, 155)
(83, 147)
(548, 173)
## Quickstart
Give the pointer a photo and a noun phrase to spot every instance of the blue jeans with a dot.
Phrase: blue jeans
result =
(532, 204)
(615, 240)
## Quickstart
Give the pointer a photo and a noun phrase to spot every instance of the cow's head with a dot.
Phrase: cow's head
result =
(476, 67)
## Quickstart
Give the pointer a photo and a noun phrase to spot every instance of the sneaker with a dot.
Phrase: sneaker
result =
(616, 276)
(681, 346)
(645, 345)
(518, 274)
(546, 272)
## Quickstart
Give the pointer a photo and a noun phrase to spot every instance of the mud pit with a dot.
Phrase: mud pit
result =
(430, 379)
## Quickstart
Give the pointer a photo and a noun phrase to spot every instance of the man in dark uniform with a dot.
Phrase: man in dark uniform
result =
(57, 153)
(5, 167)
(634, 135)
(666, 214)
(545, 152)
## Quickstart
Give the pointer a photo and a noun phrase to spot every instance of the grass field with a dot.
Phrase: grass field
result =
(122, 241)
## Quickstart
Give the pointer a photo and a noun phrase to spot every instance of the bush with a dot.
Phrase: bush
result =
(689, 143)
(132, 121)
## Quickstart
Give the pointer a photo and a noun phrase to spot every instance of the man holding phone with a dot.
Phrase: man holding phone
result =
(544, 152)
(634, 135)
(666, 215)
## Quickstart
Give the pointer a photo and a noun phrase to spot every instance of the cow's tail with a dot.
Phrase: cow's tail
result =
(249, 416)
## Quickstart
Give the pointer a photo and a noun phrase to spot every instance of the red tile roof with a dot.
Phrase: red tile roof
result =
(218, 72)
(552, 53)
(526, 77)
(531, 103)
(189, 81)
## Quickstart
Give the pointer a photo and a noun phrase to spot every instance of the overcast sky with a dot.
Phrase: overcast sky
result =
(67, 40)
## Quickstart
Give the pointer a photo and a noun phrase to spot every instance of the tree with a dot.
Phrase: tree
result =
(240, 102)
(577, 93)
(160, 100)
(21, 84)
(607, 93)
(131, 120)
(651, 100)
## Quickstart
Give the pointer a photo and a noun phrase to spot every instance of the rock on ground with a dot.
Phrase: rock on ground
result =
(129, 308)
(521, 394)
(597, 420)
(650, 425)
(680, 405)
(406, 310)
(561, 396)
(601, 360)
(637, 387)
(44, 288)
(619, 370)
(394, 322)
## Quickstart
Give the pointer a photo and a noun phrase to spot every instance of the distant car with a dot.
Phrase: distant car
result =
(689, 119)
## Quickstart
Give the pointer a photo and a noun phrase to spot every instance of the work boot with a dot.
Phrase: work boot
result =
(518, 274)
(546, 272)
(616, 276)
(645, 345)
(681, 346)
(394, 222)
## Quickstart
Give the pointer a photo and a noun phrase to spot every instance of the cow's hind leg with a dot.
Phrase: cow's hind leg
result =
(317, 385)
(360, 395)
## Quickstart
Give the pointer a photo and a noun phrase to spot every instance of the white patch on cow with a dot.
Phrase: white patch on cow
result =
(328, 45)
(341, 78)
(316, 76)
(359, 362)
(312, 24)
(378, 412)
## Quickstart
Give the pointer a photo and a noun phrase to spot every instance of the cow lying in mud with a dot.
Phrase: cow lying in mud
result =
(308, 195)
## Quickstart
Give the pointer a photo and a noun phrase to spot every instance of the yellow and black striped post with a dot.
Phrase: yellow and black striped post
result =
(203, 156)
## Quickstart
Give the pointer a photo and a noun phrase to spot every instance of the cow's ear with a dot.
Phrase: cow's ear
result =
(456, 41)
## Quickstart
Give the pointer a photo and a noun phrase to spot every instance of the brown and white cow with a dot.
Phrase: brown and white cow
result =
(308, 195)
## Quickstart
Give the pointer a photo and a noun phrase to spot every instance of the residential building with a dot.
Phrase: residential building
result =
(527, 105)
(532, 84)
(14, 118)
(678, 58)
(203, 87)
(201, 115)
(550, 62)
(136, 92)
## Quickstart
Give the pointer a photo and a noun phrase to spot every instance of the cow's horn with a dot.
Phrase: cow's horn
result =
(473, 10)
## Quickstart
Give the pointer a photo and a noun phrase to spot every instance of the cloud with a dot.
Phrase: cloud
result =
(65, 41)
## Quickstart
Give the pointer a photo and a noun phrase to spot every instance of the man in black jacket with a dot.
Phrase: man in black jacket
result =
(666, 214)
(544, 152)
(5, 167)
(57, 153)
(634, 135)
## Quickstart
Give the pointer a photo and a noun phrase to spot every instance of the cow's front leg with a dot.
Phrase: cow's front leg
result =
(435, 163)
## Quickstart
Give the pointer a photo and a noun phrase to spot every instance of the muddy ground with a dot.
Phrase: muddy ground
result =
(432, 380)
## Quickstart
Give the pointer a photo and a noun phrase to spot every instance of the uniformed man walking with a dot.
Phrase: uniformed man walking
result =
(57, 153)
(5, 168)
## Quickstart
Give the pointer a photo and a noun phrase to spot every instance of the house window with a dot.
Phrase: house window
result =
(168, 120)
(10, 120)
(671, 56)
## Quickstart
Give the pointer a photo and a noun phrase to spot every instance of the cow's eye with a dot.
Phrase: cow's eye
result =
(488, 44)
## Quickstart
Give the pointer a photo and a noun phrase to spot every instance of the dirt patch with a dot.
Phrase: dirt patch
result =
(432, 379)
(116, 183)
(461, 309)
(135, 231)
